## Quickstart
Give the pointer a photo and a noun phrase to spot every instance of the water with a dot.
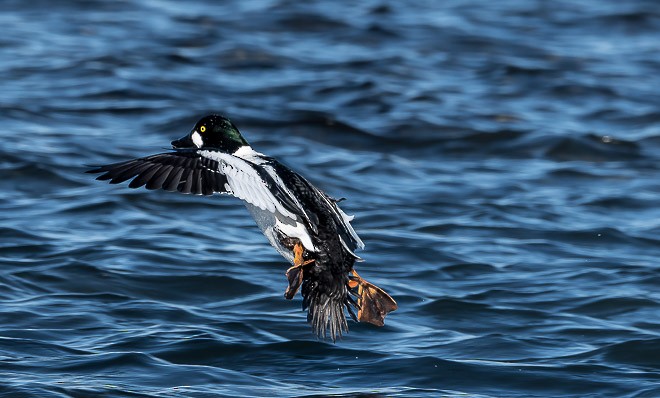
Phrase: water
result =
(502, 160)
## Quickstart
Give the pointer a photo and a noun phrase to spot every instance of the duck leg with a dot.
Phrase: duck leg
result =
(373, 303)
(295, 274)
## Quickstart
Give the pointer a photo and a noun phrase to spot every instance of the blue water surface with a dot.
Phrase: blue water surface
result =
(502, 160)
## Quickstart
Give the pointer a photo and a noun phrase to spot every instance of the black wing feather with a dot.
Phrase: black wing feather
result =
(159, 178)
(197, 182)
(144, 176)
(124, 172)
(207, 182)
(185, 186)
(172, 180)
(183, 171)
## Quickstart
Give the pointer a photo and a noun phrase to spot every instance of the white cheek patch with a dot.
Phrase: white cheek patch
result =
(197, 139)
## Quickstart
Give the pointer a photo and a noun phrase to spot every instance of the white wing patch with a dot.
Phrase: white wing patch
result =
(247, 153)
(347, 222)
(297, 231)
(245, 183)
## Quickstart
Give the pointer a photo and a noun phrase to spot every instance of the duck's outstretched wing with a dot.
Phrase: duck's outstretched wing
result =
(203, 173)
(348, 236)
(183, 171)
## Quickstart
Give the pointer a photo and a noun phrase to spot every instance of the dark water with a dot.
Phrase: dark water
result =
(502, 159)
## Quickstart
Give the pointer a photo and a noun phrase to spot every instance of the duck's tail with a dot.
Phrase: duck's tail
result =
(325, 300)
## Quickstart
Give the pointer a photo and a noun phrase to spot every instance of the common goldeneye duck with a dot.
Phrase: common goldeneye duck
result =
(305, 225)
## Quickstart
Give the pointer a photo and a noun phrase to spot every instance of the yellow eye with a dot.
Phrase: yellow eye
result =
(202, 129)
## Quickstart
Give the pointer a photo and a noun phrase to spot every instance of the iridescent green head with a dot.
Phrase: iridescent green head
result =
(212, 132)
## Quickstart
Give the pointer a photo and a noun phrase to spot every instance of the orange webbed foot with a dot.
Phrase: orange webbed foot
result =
(373, 303)
(295, 274)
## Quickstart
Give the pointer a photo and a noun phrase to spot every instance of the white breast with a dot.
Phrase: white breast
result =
(270, 225)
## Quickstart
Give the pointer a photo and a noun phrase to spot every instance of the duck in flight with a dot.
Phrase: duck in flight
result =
(304, 224)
